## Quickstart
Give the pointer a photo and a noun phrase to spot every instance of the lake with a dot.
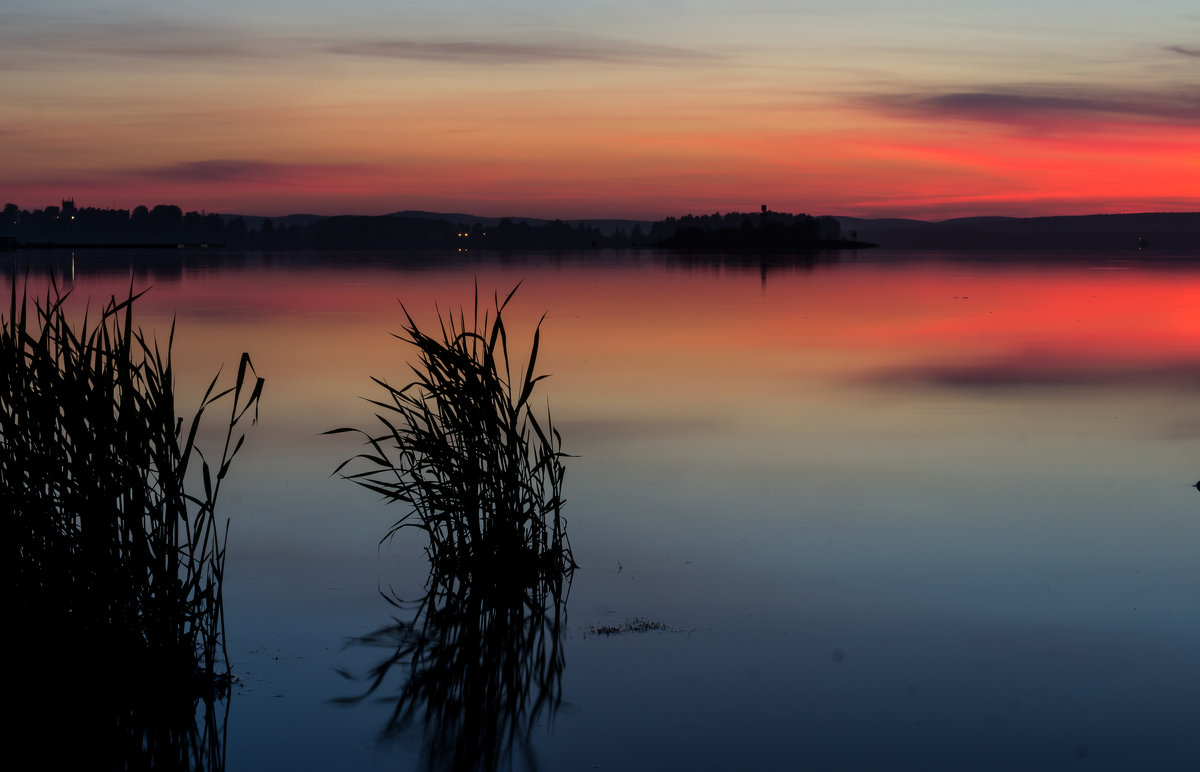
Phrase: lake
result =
(874, 510)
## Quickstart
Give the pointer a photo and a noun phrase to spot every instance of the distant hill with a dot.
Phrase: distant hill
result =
(457, 217)
(1167, 231)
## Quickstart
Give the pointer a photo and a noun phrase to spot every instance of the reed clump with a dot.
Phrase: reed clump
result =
(462, 447)
(109, 550)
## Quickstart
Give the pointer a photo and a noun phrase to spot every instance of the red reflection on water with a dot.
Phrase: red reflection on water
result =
(648, 328)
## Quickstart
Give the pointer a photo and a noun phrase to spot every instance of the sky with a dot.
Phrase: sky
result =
(929, 108)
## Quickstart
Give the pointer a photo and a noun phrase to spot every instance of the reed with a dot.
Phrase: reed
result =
(108, 548)
(462, 447)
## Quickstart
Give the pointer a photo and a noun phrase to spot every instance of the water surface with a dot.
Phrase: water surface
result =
(897, 511)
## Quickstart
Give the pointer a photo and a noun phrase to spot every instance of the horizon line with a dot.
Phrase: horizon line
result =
(642, 219)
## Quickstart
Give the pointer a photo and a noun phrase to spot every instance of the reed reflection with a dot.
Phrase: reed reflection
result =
(93, 714)
(481, 666)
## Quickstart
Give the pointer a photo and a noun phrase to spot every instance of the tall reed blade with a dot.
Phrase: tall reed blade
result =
(461, 447)
(105, 544)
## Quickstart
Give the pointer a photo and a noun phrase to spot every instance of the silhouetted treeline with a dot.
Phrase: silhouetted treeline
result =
(168, 225)
(71, 225)
(768, 230)
(419, 233)
(765, 230)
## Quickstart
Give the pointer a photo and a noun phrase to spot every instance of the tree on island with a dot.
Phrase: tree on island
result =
(765, 230)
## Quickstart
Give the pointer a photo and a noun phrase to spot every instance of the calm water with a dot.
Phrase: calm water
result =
(897, 511)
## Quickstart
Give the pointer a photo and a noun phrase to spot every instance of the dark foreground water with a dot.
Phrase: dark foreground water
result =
(893, 512)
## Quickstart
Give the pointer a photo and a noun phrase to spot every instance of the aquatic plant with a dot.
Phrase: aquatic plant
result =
(463, 449)
(106, 548)
(635, 625)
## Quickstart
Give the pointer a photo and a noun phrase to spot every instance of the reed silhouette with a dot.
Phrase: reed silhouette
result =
(482, 475)
(102, 718)
(112, 560)
(482, 666)
(461, 447)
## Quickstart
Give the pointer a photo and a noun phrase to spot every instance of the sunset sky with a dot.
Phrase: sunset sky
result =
(929, 109)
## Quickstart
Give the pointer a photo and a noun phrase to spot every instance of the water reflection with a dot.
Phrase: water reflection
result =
(1002, 566)
(77, 706)
(174, 265)
(482, 667)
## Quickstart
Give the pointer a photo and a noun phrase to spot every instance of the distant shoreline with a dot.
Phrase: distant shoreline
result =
(820, 246)
(17, 246)
(165, 228)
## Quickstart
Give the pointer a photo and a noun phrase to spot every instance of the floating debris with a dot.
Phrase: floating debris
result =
(635, 625)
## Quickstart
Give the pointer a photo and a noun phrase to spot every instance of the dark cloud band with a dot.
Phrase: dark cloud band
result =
(495, 52)
(1185, 51)
(1033, 104)
(236, 170)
